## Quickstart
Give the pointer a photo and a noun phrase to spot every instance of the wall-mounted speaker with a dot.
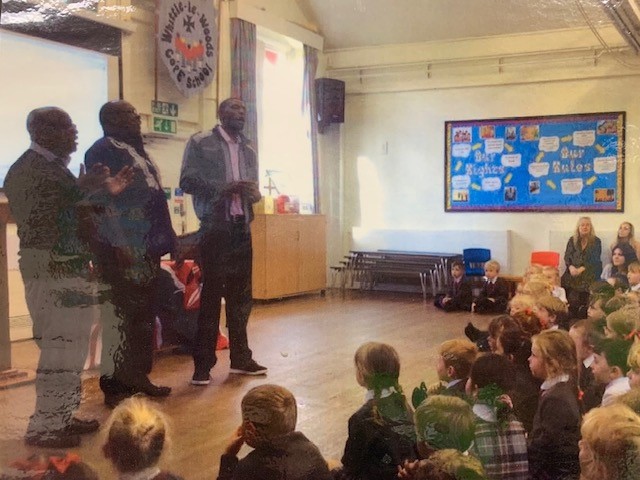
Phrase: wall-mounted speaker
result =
(329, 101)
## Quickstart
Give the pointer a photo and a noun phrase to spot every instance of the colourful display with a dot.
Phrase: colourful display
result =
(551, 163)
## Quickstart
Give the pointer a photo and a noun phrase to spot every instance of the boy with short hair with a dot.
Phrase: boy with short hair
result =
(454, 364)
(610, 367)
(494, 295)
(459, 295)
(269, 415)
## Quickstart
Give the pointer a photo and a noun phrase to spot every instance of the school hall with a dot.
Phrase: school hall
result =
(380, 183)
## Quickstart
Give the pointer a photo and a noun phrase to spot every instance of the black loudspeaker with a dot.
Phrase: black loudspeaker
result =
(329, 101)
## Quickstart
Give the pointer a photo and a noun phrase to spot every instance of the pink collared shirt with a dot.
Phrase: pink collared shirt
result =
(234, 148)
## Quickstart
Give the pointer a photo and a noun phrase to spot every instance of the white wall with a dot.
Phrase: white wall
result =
(397, 140)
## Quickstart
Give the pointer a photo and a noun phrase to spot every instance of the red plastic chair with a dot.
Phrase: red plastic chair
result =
(546, 258)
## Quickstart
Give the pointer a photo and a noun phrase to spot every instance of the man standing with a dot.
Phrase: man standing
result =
(220, 170)
(48, 204)
(134, 231)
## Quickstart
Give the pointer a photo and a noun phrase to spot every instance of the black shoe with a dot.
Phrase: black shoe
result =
(80, 427)
(250, 368)
(201, 378)
(60, 440)
(153, 390)
(472, 332)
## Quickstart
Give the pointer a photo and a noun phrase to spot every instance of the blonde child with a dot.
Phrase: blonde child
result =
(552, 274)
(136, 437)
(623, 323)
(455, 358)
(269, 416)
(444, 421)
(494, 295)
(551, 312)
(553, 442)
(447, 465)
(381, 433)
(521, 302)
(633, 276)
(610, 445)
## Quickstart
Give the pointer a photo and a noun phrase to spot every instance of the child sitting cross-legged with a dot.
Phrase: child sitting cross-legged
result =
(269, 415)
(381, 433)
(459, 295)
(136, 437)
(500, 439)
(494, 294)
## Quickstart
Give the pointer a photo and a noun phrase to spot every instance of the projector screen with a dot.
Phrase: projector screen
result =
(38, 73)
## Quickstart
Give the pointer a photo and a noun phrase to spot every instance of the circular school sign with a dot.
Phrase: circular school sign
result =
(187, 42)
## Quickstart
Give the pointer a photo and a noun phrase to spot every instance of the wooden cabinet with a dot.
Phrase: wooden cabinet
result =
(289, 255)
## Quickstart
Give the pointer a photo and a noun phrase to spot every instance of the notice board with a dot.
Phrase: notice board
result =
(548, 163)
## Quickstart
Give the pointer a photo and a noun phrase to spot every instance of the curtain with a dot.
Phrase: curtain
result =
(243, 73)
(309, 104)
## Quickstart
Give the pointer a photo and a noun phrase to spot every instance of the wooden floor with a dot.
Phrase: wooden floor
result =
(308, 344)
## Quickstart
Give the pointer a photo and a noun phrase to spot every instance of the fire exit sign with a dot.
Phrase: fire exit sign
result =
(165, 125)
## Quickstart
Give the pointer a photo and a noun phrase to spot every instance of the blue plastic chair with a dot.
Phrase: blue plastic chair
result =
(474, 259)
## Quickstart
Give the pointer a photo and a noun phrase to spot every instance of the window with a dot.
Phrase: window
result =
(284, 126)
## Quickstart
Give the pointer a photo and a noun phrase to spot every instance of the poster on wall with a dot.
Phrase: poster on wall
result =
(187, 42)
(551, 163)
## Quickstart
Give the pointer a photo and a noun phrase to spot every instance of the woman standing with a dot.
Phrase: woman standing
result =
(584, 266)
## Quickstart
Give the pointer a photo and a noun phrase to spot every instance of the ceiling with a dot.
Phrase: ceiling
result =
(360, 23)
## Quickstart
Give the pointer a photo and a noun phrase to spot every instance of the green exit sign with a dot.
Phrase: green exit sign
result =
(165, 125)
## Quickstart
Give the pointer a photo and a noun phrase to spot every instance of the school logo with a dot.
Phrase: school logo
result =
(187, 42)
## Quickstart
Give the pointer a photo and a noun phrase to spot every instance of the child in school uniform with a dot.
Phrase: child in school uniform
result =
(610, 367)
(269, 416)
(454, 364)
(553, 441)
(633, 362)
(136, 436)
(381, 433)
(494, 295)
(633, 276)
(459, 295)
(583, 332)
(553, 277)
(500, 439)
(552, 313)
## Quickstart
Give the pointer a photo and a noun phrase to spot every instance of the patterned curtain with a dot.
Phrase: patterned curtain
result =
(309, 105)
(243, 73)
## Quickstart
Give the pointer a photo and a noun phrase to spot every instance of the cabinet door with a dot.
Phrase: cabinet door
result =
(312, 253)
(281, 256)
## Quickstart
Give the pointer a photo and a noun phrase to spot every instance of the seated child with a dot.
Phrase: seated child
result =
(494, 294)
(633, 361)
(459, 295)
(633, 276)
(623, 322)
(610, 367)
(537, 288)
(553, 441)
(521, 302)
(610, 446)
(582, 333)
(553, 277)
(381, 433)
(269, 415)
(515, 345)
(444, 421)
(487, 340)
(136, 435)
(552, 313)
(454, 363)
(500, 440)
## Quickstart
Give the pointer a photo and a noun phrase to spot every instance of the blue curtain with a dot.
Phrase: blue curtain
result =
(243, 73)
(309, 105)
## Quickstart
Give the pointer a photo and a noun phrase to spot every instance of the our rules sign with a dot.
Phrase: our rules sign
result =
(187, 42)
